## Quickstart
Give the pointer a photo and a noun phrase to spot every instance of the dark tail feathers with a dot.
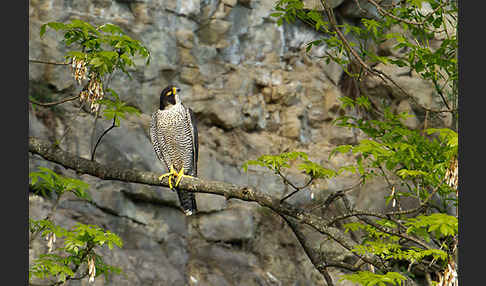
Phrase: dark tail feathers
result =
(187, 201)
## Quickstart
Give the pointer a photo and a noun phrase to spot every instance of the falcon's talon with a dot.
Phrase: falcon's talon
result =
(172, 173)
(181, 175)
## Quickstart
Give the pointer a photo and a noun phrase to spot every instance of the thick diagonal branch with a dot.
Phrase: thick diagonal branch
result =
(111, 172)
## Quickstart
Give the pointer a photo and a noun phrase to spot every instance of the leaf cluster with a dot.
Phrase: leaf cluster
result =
(116, 108)
(104, 48)
(79, 243)
(420, 161)
(439, 65)
(439, 224)
(367, 278)
(45, 181)
(276, 163)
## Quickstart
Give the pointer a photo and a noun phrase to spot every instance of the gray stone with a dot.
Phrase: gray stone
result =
(316, 5)
(231, 224)
(411, 121)
(422, 92)
(224, 113)
(363, 10)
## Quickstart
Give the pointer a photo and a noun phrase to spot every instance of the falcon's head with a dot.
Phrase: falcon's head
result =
(169, 96)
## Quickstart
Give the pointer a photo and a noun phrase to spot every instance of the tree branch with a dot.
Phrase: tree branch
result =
(55, 102)
(47, 62)
(313, 255)
(384, 12)
(112, 172)
(297, 189)
(99, 139)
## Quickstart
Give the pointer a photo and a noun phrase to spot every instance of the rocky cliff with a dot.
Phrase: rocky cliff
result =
(254, 91)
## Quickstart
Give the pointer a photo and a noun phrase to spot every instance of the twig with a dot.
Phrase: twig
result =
(384, 12)
(422, 205)
(47, 62)
(99, 139)
(293, 186)
(439, 91)
(332, 197)
(55, 102)
(402, 235)
(341, 265)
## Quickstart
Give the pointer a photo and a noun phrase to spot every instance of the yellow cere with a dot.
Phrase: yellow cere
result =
(174, 90)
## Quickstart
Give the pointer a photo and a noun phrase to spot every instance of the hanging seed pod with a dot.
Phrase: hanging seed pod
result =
(452, 174)
(92, 92)
(79, 69)
(91, 269)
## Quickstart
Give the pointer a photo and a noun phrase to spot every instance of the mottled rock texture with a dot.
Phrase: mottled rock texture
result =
(254, 92)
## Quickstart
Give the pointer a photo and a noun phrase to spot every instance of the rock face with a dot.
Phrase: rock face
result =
(254, 92)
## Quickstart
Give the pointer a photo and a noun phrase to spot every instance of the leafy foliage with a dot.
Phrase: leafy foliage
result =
(116, 109)
(50, 265)
(405, 152)
(418, 29)
(105, 48)
(96, 53)
(79, 242)
(440, 224)
(100, 52)
(419, 161)
(45, 180)
(367, 278)
(277, 162)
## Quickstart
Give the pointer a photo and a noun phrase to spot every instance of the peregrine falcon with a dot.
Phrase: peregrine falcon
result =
(174, 135)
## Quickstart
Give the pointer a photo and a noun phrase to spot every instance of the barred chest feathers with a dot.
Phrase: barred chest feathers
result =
(177, 133)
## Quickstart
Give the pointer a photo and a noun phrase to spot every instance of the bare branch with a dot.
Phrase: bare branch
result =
(55, 102)
(99, 139)
(402, 235)
(47, 62)
(422, 205)
(332, 197)
(297, 189)
(341, 265)
(313, 256)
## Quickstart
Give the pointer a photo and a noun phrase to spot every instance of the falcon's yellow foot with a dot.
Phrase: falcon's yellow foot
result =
(181, 175)
(172, 173)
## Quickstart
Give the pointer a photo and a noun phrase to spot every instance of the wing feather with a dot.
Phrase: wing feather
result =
(194, 134)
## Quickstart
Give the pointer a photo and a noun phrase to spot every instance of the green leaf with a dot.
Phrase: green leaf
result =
(47, 180)
(56, 25)
(43, 30)
(316, 171)
(96, 62)
(112, 29)
(368, 278)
